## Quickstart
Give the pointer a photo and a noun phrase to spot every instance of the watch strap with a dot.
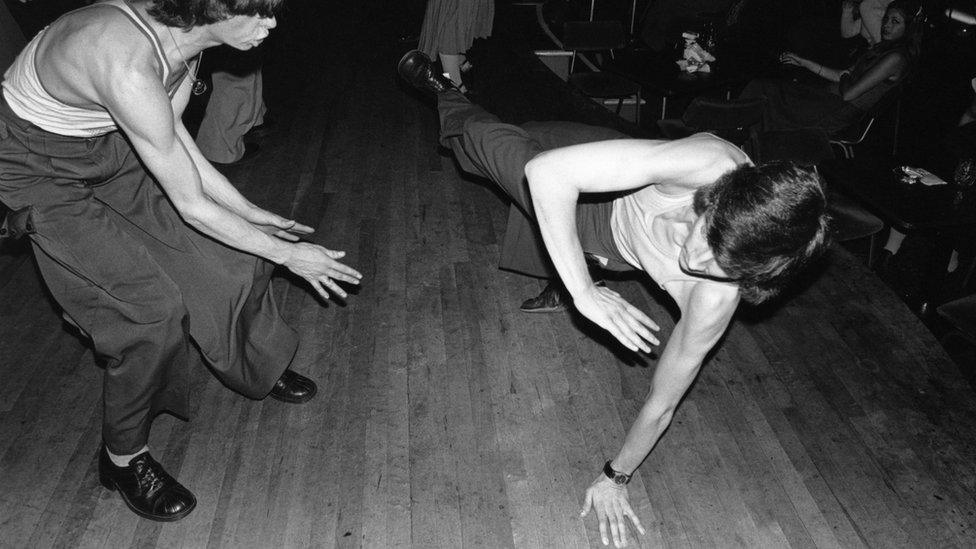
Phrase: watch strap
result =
(616, 476)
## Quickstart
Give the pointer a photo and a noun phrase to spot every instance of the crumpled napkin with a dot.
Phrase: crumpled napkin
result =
(911, 176)
(695, 57)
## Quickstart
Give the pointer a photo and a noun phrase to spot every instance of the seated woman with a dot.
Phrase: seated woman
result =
(847, 94)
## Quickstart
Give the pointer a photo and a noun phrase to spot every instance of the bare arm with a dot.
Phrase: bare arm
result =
(890, 66)
(557, 177)
(850, 21)
(141, 108)
(823, 71)
(706, 311)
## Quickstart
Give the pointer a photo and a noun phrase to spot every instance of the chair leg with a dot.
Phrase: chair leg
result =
(637, 108)
(969, 273)
(872, 246)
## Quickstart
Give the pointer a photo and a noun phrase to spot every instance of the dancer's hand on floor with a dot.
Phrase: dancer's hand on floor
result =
(612, 506)
(611, 312)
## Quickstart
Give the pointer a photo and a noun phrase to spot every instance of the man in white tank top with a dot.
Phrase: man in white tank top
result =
(144, 262)
(694, 214)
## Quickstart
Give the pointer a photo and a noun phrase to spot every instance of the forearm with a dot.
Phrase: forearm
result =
(658, 409)
(218, 222)
(178, 176)
(214, 184)
(850, 24)
(706, 310)
(821, 70)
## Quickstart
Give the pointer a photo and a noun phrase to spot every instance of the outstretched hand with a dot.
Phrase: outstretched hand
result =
(611, 504)
(319, 267)
(614, 314)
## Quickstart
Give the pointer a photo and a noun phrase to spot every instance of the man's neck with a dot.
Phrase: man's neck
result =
(179, 44)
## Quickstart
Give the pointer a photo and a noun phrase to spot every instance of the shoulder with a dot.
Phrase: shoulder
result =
(713, 158)
(704, 299)
(100, 37)
(718, 150)
(706, 308)
(893, 61)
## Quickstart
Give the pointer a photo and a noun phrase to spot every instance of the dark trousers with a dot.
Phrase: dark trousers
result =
(486, 146)
(132, 276)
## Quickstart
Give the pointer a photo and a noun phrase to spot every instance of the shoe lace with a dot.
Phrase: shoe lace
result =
(151, 476)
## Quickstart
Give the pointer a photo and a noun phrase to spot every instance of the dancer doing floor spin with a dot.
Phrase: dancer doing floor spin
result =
(695, 214)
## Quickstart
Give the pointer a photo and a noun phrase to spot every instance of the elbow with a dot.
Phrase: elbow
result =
(665, 416)
(544, 171)
(192, 214)
(536, 170)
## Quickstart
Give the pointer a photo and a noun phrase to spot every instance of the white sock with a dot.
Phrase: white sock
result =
(123, 460)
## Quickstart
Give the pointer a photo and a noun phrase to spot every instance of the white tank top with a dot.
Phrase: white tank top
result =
(29, 100)
(648, 234)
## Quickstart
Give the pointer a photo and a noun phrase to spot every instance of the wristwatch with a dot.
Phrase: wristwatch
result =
(616, 476)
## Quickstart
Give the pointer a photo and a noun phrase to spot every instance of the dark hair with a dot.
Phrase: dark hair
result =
(764, 224)
(186, 14)
(913, 28)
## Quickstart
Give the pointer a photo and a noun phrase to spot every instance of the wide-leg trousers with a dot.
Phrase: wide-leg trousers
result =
(132, 276)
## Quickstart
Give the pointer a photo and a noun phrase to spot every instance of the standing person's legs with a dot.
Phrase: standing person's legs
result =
(236, 105)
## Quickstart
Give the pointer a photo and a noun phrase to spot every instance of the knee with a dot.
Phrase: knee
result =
(155, 305)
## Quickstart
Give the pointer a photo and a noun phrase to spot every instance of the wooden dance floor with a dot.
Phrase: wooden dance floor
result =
(446, 418)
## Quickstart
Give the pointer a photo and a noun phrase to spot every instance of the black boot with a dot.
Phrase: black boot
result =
(418, 70)
(146, 487)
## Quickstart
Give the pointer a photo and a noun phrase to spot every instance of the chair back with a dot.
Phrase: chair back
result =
(857, 132)
(600, 36)
(593, 35)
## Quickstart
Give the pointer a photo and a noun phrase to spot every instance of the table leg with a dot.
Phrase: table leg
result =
(934, 276)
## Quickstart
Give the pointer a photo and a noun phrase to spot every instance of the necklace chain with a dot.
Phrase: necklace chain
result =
(199, 86)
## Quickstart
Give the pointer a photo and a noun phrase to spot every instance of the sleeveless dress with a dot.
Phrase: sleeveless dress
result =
(450, 26)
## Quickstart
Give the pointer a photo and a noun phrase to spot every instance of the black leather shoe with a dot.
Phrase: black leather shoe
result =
(146, 487)
(293, 388)
(550, 300)
(418, 70)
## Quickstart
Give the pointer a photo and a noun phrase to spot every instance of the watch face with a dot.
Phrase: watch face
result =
(620, 479)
